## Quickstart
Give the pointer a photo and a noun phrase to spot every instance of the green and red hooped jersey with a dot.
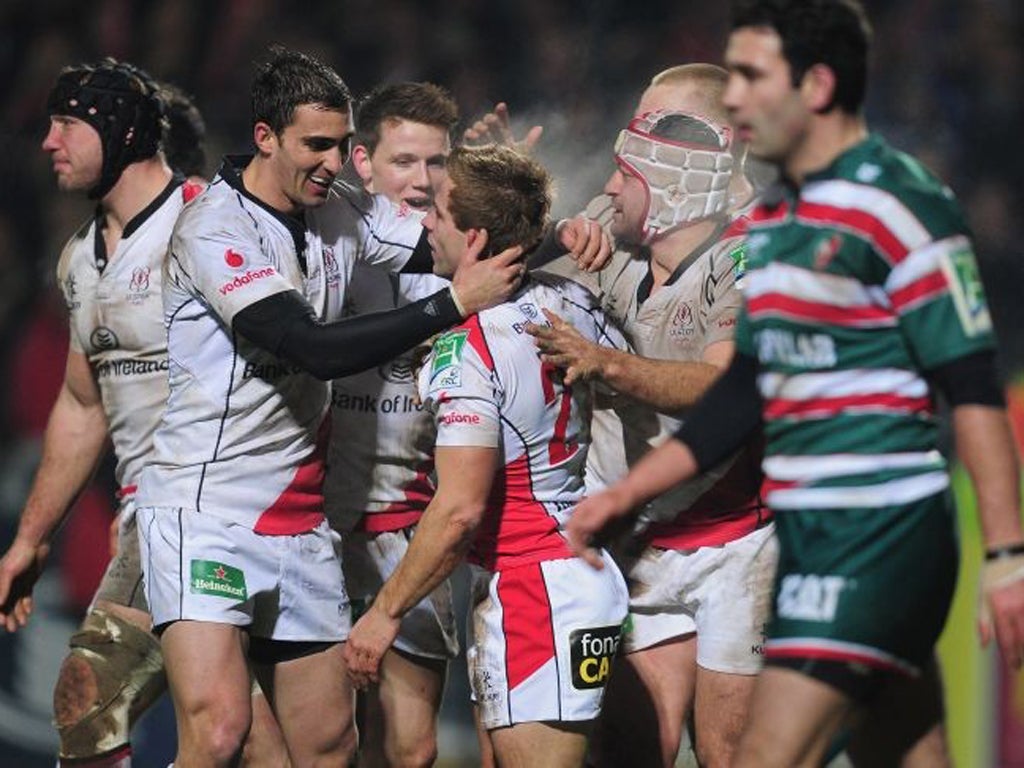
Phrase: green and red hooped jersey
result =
(858, 283)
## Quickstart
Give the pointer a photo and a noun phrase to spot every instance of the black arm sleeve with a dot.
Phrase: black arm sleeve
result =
(723, 419)
(421, 262)
(285, 325)
(969, 380)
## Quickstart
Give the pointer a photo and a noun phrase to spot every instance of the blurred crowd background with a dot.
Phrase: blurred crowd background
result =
(941, 87)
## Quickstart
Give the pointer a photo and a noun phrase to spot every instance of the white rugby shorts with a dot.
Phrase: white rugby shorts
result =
(204, 568)
(368, 560)
(723, 593)
(542, 638)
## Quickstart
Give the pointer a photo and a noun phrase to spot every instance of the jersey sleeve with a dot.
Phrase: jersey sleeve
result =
(386, 234)
(937, 294)
(723, 295)
(221, 259)
(68, 290)
(458, 385)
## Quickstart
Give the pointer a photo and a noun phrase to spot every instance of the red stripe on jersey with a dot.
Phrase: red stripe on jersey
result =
(525, 622)
(401, 514)
(516, 528)
(862, 223)
(799, 309)
(820, 407)
(300, 507)
(769, 486)
(737, 227)
(831, 654)
(931, 285)
(478, 342)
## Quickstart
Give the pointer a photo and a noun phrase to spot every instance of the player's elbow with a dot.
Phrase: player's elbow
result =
(464, 520)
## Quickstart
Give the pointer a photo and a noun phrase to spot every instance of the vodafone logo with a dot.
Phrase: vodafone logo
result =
(240, 281)
(233, 258)
(460, 418)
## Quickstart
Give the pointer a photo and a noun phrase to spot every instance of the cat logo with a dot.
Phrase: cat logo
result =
(809, 597)
(591, 654)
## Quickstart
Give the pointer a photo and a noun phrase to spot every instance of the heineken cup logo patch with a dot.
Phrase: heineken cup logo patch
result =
(961, 270)
(212, 578)
(446, 369)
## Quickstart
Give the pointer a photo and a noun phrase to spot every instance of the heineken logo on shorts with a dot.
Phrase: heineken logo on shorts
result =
(591, 652)
(212, 578)
(961, 270)
(446, 368)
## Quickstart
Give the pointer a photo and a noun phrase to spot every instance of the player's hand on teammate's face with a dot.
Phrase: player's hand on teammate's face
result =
(482, 283)
(586, 242)
(496, 128)
(20, 568)
(1002, 608)
(371, 637)
(564, 347)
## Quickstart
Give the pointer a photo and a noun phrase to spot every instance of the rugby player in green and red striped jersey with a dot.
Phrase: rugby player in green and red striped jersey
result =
(862, 306)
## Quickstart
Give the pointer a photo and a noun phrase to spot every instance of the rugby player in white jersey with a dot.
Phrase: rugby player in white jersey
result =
(237, 556)
(382, 439)
(104, 137)
(511, 445)
(700, 588)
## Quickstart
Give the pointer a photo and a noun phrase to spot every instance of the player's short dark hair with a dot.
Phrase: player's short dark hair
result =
(184, 132)
(289, 80)
(501, 190)
(424, 103)
(836, 33)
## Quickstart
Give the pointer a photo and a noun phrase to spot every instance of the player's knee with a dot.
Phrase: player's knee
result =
(415, 753)
(113, 672)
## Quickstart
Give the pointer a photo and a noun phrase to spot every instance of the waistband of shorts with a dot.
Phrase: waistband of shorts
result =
(713, 532)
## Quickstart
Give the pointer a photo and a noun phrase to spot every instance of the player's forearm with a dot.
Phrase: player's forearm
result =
(669, 464)
(984, 443)
(666, 385)
(443, 537)
(73, 444)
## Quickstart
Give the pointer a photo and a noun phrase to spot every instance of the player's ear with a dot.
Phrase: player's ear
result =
(361, 162)
(818, 88)
(264, 138)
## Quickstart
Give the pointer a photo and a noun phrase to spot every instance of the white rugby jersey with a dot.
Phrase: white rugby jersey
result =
(380, 459)
(487, 386)
(244, 434)
(116, 319)
(695, 308)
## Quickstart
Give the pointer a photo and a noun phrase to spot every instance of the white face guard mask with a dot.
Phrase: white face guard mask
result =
(684, 181)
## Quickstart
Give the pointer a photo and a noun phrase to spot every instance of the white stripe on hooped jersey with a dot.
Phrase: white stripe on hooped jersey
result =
(818, 287)
(811, 468)
(901, 491)
(924, 261)
(888, 209)
(898, 382)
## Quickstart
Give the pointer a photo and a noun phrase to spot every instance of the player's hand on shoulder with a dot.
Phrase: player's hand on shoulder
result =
(496, 128)
(562, 346)
(586, 242)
